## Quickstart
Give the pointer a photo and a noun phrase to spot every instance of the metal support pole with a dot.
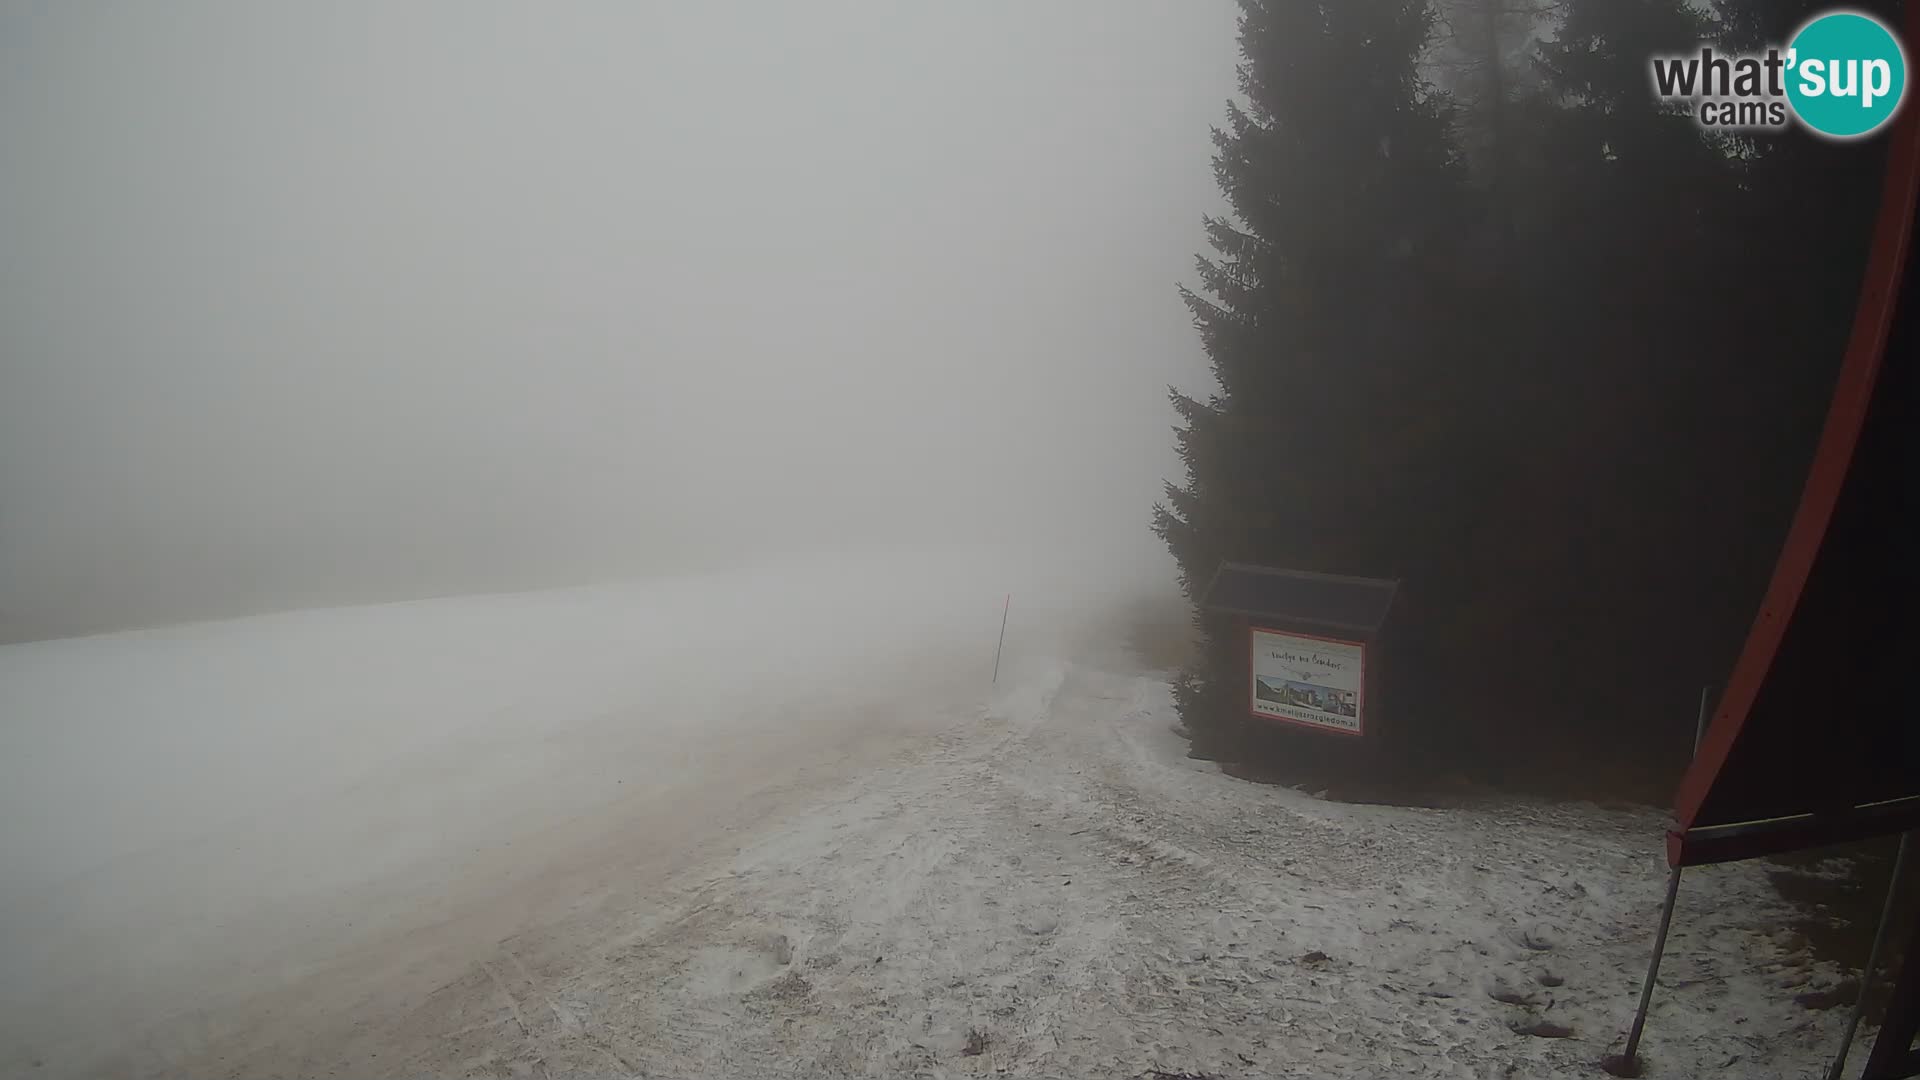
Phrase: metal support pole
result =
(1653, 968)
(1873, 958)
(1700, 725)
(1627, 1064)
(1004, 608)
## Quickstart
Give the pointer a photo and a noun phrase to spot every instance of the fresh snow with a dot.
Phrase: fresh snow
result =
(776, 823)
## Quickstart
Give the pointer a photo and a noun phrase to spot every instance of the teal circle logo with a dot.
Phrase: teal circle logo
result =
(1846, 74)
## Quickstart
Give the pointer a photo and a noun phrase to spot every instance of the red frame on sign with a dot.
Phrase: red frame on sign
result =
(1360, 695)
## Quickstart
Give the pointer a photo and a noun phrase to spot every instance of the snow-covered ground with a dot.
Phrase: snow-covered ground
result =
(776, 823)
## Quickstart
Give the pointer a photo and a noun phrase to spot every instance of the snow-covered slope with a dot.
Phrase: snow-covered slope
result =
(193, 815)
(776, 823)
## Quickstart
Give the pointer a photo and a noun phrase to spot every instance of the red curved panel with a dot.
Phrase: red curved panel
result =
(1800, 777)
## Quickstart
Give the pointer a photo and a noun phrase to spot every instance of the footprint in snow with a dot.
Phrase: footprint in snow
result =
(1544, 1029)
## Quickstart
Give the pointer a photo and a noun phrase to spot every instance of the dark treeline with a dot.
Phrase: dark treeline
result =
(1488, 317)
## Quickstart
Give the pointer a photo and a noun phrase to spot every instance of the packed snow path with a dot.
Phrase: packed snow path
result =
(1052, 889)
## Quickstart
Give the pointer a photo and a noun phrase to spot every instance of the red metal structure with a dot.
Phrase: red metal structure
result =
(1781, 767)
(1816, 739)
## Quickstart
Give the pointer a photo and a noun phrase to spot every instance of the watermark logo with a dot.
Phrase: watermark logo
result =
(1843, 76)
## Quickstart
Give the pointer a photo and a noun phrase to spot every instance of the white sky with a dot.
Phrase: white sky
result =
(306, 304)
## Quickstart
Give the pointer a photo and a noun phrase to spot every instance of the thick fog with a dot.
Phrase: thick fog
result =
(351, 302)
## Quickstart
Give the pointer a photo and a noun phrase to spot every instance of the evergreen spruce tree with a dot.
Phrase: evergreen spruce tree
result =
(1636, 189)
(1328, 443)
(1482, 56)
(1522, 353)
(1664, 389)
(1636, 441)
